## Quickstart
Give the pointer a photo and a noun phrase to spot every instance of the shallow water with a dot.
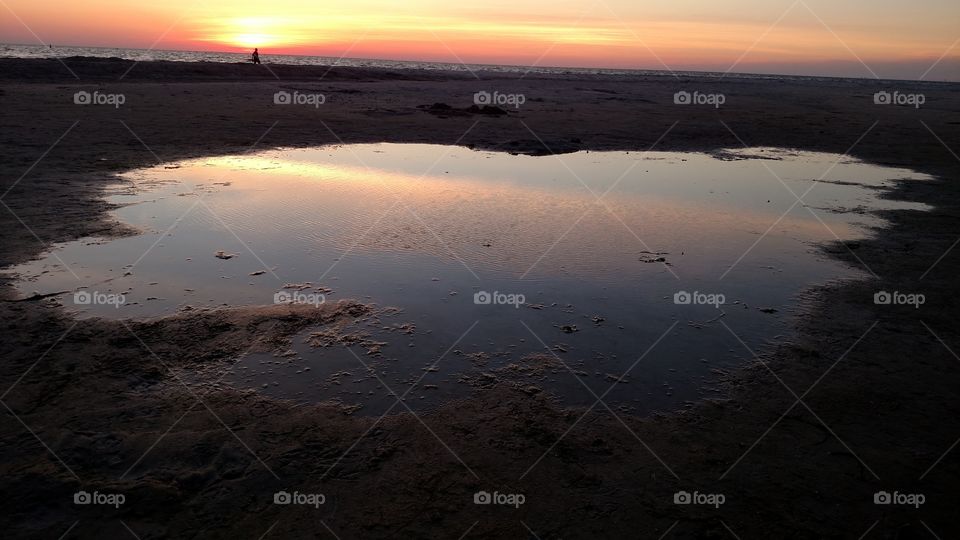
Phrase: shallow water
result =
(603, 242)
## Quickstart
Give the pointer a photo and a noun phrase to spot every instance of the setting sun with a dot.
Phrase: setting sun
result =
(251, 40)
(247, 32)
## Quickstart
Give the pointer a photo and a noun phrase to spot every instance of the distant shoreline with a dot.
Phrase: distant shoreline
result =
(290, 60)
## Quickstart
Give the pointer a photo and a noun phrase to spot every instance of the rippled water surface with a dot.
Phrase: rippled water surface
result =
(587, 259)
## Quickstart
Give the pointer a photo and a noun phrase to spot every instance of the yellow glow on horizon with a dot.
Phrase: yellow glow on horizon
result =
(249, 32)
(249, 40)
(281, 32)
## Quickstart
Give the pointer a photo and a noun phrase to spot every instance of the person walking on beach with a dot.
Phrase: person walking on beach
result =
(256, 56)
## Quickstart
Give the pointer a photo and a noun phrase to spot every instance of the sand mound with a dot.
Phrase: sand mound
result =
(210, 334)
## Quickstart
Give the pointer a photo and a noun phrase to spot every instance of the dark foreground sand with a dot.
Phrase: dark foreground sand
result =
(97, 405)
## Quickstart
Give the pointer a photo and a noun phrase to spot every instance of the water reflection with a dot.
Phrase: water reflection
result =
(597, 241)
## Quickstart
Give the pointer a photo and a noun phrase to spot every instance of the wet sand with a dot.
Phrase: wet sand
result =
(99, 406)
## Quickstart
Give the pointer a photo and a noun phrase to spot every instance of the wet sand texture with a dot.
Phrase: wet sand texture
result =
(96, 410)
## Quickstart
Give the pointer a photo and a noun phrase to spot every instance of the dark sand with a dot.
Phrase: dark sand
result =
(99, 405)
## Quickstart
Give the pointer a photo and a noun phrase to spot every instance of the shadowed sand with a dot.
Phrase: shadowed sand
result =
(104, 398)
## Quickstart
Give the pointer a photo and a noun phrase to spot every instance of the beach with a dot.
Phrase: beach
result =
(799, 440)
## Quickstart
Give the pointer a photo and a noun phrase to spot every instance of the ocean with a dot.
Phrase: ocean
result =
(43, 51)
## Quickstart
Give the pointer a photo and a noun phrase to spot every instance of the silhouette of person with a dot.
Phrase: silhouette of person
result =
(256, 56)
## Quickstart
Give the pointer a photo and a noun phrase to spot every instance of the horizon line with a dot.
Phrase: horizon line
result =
(667, 70)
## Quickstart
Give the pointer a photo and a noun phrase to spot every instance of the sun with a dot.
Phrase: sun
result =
(250, 32)
(251, 40)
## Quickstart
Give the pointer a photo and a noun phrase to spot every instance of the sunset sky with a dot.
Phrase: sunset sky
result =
(857, 38)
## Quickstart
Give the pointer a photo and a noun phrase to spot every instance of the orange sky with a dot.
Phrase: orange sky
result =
(901, 39)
